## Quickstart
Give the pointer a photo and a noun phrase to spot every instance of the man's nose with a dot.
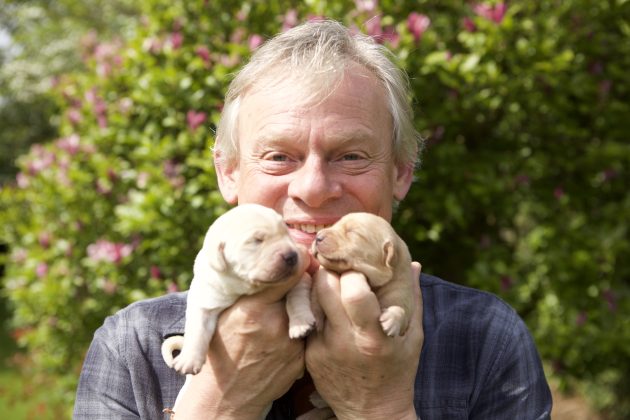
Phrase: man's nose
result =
(314, 183)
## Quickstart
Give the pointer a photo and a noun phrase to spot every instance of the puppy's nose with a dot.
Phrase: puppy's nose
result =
(290, 258)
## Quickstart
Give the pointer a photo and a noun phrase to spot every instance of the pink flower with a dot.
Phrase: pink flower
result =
(42, 159)
(155, 272)
(469, 25)
(506, 283)
(176, 40)
(373, 27)
(581, 318)
(290, 20)
(494, 13)
(44, 239)
(204, 53)
(558, 192)
(172, 288)
(74, 116)
(195, 119)
(41, 270)
(418, 24)
(69, 144)
(390, 35)
(22, 180)
(255, 41)
(153, 45)
(103, 250)
(366, 5)
(611, 300)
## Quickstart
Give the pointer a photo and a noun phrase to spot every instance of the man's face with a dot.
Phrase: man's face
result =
(315, 162)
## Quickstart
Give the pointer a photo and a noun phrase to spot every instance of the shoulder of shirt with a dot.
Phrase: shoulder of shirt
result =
(449, 297)
(164, 313)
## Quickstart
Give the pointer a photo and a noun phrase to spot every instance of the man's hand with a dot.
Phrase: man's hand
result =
(357, 369)
(251, 361)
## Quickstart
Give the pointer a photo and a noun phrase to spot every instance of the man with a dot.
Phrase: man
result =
(316, 126)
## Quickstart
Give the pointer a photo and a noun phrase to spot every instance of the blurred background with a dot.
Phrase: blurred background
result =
(107, 115)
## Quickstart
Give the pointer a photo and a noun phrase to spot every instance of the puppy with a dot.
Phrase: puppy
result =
(367, 243)
(245, 251)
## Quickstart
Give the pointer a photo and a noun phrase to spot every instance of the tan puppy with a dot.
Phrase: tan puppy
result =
(245, 251)
(367, 243)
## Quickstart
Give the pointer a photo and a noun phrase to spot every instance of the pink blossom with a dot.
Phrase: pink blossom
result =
(469, 25)
(19, 255)
(418, 24)
(41, 270)
(390, 35)
(373, 27)
(22, 180)
(42, 159)
(153, 45)
(74, 116)
(611, 300)
(125, 105)
(176, 40)
(494, 13)
(289, 20)
(109, 287)
(366, 5)
(581, 318)
(103, 187)
(142, 180)
(194, 119)
(103, 250)
(172, 288)
(44, 239)
(558, 192)
(155, 272)
(255, 41)
(204, 53)
(69, 144)
(99, 107)
(506, 283)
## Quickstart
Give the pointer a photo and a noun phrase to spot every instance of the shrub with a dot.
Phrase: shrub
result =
(522, 189)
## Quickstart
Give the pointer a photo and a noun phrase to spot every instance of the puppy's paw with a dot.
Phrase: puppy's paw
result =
(392, 320)
(189, 363)
(301, 327)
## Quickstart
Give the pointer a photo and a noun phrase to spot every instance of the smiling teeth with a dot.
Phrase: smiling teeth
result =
(309, 228)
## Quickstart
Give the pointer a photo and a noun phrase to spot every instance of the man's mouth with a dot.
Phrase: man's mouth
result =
(307, 228)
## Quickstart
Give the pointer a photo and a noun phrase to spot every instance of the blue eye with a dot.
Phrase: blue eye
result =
(279, 158)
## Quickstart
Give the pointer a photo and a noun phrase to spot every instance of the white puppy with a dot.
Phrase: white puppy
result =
(245, 251)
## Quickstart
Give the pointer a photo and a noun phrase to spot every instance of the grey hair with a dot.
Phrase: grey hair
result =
(316, 55)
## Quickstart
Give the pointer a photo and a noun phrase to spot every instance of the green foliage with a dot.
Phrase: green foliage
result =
(522, 190)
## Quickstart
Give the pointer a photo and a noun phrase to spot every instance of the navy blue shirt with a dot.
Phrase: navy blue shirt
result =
(478, 361)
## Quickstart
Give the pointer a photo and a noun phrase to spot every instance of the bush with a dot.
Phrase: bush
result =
(521, 192)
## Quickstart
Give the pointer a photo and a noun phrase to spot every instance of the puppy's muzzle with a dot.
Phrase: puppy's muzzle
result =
(290, 258)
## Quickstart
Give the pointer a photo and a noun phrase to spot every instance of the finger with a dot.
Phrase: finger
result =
(359, 302)
(326, 286)
(416, 270)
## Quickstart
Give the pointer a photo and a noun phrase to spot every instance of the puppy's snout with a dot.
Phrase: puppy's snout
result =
(290, 258)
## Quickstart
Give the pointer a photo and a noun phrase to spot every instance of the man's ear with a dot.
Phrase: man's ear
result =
(403, 177)
(227, 176)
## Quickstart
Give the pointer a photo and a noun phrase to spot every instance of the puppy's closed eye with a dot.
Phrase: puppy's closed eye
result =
(257, 238)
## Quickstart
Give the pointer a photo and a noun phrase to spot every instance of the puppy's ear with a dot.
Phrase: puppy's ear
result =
(217, 257)
(390, 253)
